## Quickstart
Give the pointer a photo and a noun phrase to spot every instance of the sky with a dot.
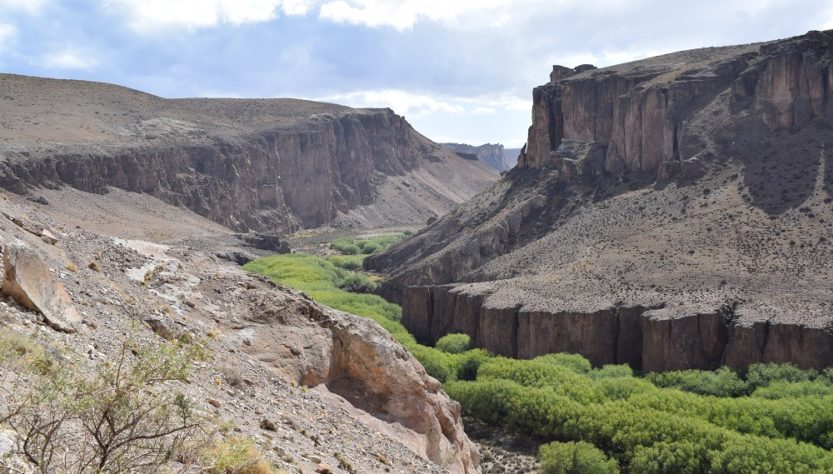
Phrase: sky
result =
(458, 70)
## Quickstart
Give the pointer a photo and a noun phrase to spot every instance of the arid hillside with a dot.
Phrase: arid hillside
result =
(674, 212)
(264, 165)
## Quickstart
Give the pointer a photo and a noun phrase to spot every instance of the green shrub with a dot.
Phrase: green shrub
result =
(469, 362)
(723, 382)
(123, 417)
(365, 246)
(574, 362)
(761, 375)
(780, 389)
(236, 455)
(575, 458)
(608, 371)
(347, 262)
(454, 343)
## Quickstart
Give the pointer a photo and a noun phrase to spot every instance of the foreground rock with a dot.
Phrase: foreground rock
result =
(27, 279)
(651, 197)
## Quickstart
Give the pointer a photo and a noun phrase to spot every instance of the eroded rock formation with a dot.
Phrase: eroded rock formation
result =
(263, 165)
(650, 197)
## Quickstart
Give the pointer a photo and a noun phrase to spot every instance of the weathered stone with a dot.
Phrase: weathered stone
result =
(28, 280)
(161, 328)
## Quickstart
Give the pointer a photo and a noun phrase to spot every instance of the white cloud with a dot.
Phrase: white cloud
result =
(68, 59)
(8, 33)
(402, 102)
(417, 104)
(28, 6)
(494, 118)
(149, 15)
(403, 14)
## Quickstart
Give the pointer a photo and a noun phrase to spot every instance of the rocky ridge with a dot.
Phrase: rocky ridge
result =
(337, 393)
(272, 165)
(670, 213)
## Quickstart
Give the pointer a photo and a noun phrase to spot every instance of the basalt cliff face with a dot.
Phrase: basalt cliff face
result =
(492, 155)
(671, 213)
(264, 165)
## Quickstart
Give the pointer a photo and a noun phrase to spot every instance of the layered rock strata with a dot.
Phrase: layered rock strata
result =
(685, 183)
(263, 165)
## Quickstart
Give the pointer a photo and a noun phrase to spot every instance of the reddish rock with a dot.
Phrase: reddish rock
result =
(28, 281)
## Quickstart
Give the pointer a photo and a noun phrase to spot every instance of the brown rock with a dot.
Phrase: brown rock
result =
(214, 402)
(28, 280)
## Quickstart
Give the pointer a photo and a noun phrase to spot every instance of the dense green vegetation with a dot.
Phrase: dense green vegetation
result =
(365, 246)
(454, 343)
(774, 417)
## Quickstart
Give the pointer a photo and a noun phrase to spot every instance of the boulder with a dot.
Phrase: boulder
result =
(27, 279)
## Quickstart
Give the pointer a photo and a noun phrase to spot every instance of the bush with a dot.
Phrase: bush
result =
(454, 343)
(118, 419)
(347, 262)
(236, 456)
(761, 375)
(575, 458)
(574, 362)
(612, 371)
(723, 382)
(780, 389)
(365, 246)
(469, 362)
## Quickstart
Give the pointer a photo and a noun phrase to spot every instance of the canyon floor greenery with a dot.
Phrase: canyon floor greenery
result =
(772, 417)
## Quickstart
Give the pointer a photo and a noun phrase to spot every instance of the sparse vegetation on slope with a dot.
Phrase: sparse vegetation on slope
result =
(119, 418)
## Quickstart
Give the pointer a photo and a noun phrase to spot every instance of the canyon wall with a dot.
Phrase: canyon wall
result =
(647, 339)
(643, 115)
(272, 165)
(678, 184)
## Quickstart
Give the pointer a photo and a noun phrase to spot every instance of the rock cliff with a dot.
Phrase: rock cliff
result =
(673, 212)
(264, 165)
(492, 155)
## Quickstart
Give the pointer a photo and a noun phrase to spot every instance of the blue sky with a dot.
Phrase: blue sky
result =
(458, 70)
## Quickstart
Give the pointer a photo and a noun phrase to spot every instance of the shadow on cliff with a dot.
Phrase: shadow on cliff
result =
(782, 168)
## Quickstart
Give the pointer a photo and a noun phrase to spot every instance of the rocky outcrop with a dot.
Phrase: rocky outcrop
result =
(644, 115)
(260, 165)
(358, 360)
(648, 339)
(492, 155)
(680, 183)
(378, 375)
(27, 279)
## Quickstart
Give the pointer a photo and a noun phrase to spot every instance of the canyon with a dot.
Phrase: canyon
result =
(669, 213)
(123, 213)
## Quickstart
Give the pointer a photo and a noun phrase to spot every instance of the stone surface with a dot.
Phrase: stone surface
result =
(27, 279)
(650, 196)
